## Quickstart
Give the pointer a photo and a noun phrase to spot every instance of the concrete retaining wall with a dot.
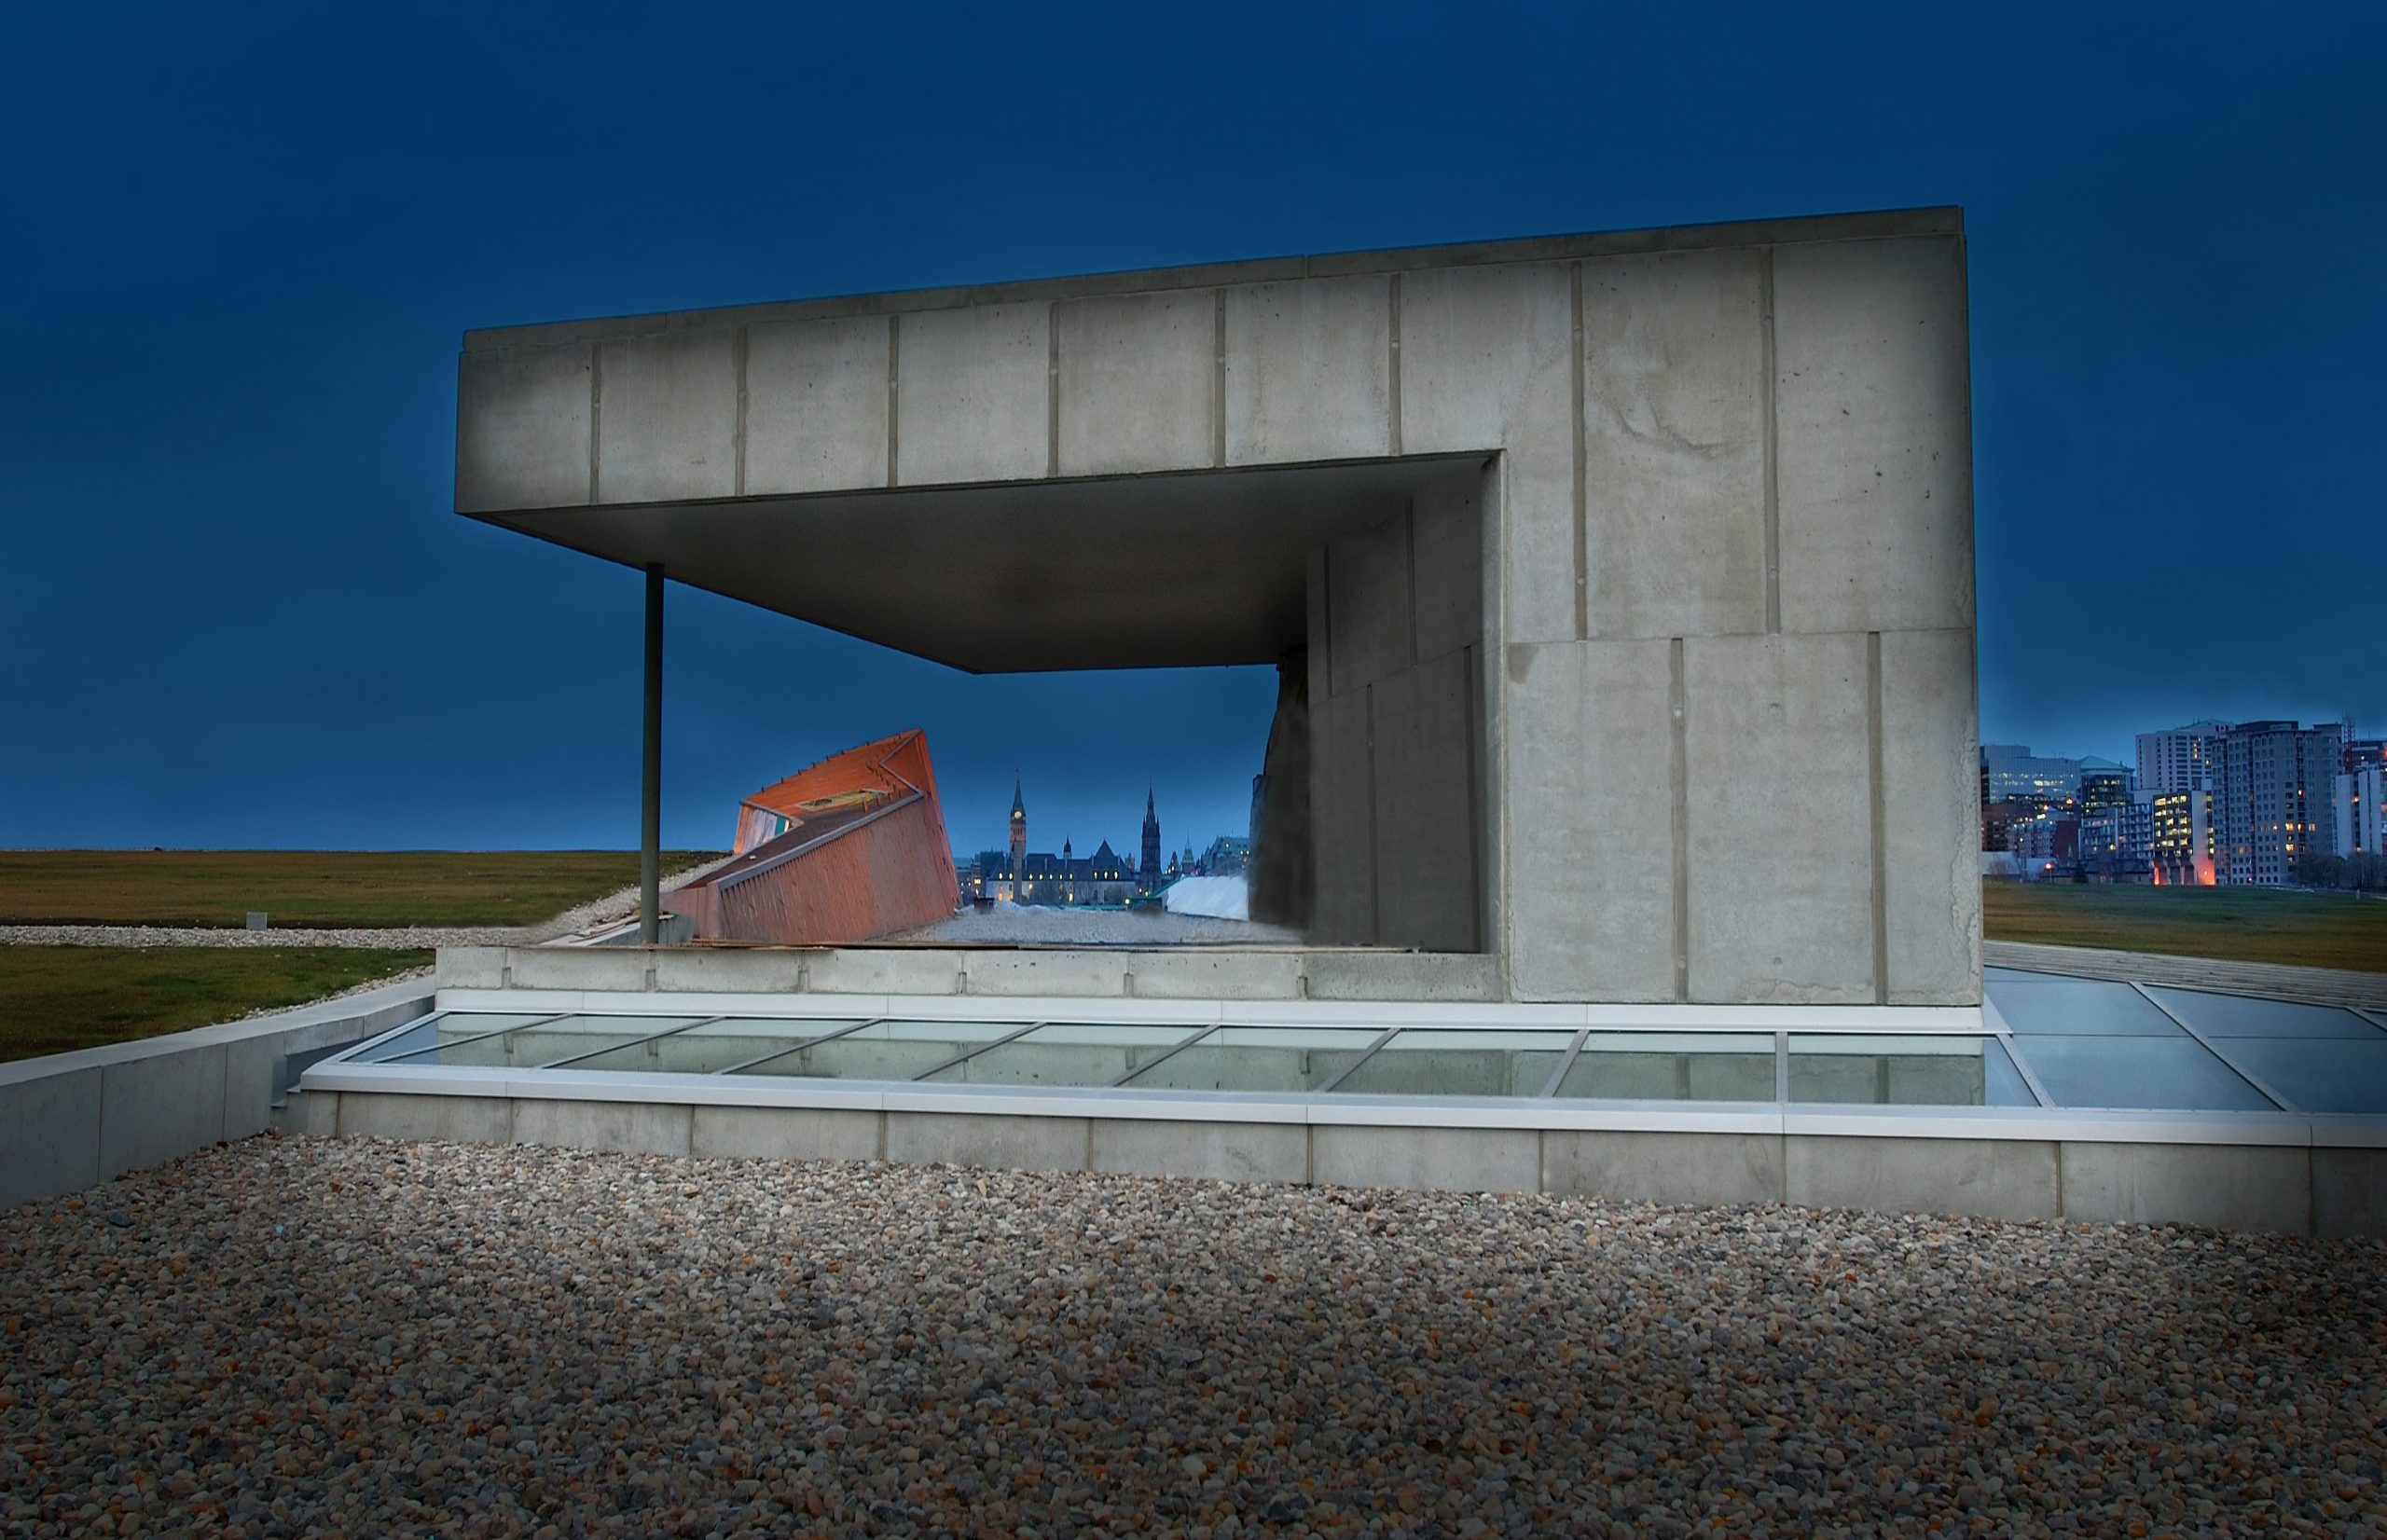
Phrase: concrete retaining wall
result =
(72, 1121)
(2293, 1189)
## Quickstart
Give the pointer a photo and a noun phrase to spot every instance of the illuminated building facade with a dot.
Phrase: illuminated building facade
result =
(2361, 810)
(2179, 759)
(2274, 796)
(2181, 837)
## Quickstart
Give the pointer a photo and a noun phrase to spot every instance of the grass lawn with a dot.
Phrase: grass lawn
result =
(53, 999)
(2238, 923)
(311, 888)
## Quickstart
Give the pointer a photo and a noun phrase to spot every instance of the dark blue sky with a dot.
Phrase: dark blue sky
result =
(243, 241)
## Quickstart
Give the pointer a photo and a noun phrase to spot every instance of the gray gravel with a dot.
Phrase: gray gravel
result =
(289, 1337)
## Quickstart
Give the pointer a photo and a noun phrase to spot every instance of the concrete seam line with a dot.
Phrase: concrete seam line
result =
(1581, 491)
(1471, 686)
(1052, 389)
(595, 416)
(1217, 378)
(738, 345)
(1375, 862)
(894, 364)
(1678, 770)
(1767, 393)
(1392, 367)
(1878, 818)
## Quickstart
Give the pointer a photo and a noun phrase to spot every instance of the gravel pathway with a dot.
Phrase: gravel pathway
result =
(611, 909)
(294, 1337)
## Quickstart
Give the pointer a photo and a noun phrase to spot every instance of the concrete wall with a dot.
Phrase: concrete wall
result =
(1397, 779)
(72, 1121)
(1711, 668)
(2297, 1189)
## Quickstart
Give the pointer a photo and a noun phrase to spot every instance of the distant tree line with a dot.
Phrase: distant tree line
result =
(2362, 874)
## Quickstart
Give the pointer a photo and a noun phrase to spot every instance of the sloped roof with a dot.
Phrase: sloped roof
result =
(862, 777)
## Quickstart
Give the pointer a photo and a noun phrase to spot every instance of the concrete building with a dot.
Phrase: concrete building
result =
(2274, 796)
(1613, 580)
(2179, 759)
(2360, 820)
(2010, 771)
(2180, 834)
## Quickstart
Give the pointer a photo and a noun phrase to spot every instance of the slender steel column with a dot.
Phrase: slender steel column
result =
(650, 810)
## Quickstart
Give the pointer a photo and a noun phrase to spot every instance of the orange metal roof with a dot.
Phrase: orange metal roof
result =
(857, 776)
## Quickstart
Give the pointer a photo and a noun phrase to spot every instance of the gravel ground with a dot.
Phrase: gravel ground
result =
(288, 1336)
(612, 908)
(1007, 923)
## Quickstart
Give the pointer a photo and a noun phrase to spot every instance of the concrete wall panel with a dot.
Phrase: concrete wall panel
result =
(1591, 879)
(155, 1108)
(1427, 882)
(1404, 976)
(628, 1128)
(2348, 1193)
(2229, 1187)
(1228, 1152)
(816, 404)
(1088, 972)
(1983, 1178)
(1780, 814)
(522, 428)
(1456, 1160)
(1663, 1168)
(1930, 817)
(1206, 974)
(1446, 567)
(999, 1142)
(974, 395)
(729, 971)
(1370, 599)
(1874, 427)
(1137, 376)
(666, 418)
(1674, 444)
(784, 1133)
(456, 1119)
(49, 1135)
(1308, 370)
(865, 970)
(1487, 359)
(1342, 803)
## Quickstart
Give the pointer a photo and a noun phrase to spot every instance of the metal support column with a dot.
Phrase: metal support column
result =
(650, 810)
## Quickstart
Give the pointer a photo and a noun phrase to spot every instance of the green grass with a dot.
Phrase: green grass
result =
(338, 889)
(2235, 924)
(54, 998)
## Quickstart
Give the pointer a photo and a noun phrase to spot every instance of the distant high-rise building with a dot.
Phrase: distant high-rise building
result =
(2178, 759)
(2274, 800)
(2104, 786)
(2360, 808)
(2180, 832)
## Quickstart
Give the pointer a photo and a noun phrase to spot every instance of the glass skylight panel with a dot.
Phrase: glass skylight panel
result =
(883, 1051)
(1674, 1066)
(1422, 1062)
(2339, 1075)
(448, 1031)
(2177, 1074)
(1938, 1070)
(2079, 1008)
(707, 1046)
(1259, 1058)
(2240, 1016)
(1065, 1054)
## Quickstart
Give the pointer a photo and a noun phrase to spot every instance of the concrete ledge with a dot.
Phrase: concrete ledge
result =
(1427, 976)
(1214, 975)
(1462, 1159)
(979, 1139)
(70, 1120)
(456, 1119)
(1662, 1168)
(1070, 972)
(1231, 1153)
(2224, 1186)
(777, 1134)
(639, 1128)
(1980, 1178)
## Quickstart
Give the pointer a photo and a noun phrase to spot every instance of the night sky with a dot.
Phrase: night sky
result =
(243, 241)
